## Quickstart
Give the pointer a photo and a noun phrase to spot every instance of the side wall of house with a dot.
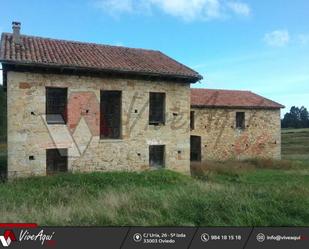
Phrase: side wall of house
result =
(220, 140)
(29, 135)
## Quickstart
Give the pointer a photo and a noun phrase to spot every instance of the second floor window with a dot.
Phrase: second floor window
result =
(56, 105)
(192, 120)
(110, 121)
(240, 120)
(156, 108)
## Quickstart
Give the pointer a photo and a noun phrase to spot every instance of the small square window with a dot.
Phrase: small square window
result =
(56, 161)
(156, 156)
(240, 120)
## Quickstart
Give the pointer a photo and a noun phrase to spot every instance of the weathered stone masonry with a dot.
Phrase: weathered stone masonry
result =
(221, 140)
(29, 135)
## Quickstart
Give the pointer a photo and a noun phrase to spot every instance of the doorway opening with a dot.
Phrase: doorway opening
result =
(195, 148)
(56, 161)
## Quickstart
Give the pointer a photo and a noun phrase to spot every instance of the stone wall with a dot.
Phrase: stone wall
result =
(261, 137)
(29, 134)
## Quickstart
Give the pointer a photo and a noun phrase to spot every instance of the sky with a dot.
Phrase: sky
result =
(256, 45)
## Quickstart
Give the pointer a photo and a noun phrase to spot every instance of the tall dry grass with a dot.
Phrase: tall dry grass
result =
(160, 198)
(237, 167)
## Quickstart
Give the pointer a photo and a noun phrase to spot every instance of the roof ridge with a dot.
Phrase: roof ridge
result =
(46, 52)
(226, 90)
(200, 78)
(230, 98)
(81, 42)
(267, 99)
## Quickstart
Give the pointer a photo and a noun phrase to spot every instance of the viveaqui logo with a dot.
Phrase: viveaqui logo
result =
(40, 236)
(25, 235)
(7, 238)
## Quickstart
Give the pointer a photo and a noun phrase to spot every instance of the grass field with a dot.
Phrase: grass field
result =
(295, 144)
(255, 192)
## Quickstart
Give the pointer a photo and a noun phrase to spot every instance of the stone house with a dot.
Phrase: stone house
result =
(229, 124)
(74, 106)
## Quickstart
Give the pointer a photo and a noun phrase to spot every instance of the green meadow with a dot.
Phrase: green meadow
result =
(253, 192)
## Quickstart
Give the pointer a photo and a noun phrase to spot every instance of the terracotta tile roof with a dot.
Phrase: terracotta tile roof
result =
(230, 98)
(38, 51)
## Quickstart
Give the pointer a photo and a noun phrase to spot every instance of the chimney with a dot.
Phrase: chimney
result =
(16, 32)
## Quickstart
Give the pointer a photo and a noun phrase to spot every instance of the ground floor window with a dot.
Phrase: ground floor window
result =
(156, 156)
(195, 145)
(56, 161)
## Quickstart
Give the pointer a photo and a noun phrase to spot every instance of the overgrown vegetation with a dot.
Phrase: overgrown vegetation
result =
(295, 144)
(3, 161)
(237, 168)
(258, 197)
(252, 192)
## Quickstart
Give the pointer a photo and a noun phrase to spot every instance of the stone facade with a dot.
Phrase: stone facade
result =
(221, 140)
(29, 135)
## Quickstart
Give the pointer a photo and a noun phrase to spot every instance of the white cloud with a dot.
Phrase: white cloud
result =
(303, 39)
(115, 7)
(118, 7)
(277, 38)
(188, 10)
(119, 44)
(240, 8)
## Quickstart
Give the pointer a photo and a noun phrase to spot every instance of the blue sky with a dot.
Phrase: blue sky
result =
(256, 45)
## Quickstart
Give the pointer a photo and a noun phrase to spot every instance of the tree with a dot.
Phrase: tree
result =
(296, 118)
(304, 117)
